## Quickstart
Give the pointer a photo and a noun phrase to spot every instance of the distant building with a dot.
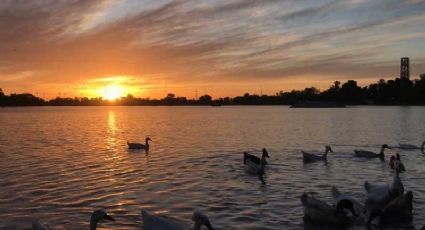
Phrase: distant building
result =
(404, 68)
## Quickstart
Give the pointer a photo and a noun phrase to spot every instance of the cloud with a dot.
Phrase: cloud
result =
(191, 43)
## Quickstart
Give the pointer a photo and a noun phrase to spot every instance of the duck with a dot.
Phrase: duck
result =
(154, 222)
(379, 195)
(311, 157)
(358, 207)
(412, 147)
(320, 212)
(398, 211)
(370, 154)
(396, 164)
(255, 165)
(139, 145)
(96, 217)
(255, 159)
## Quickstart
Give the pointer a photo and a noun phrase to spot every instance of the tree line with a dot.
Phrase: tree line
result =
(400, 91)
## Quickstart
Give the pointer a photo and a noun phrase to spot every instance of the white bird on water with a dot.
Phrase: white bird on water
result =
(154, 222)
(96, 217)
(139, 145)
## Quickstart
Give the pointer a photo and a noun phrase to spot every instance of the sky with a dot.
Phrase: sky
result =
(219, 47)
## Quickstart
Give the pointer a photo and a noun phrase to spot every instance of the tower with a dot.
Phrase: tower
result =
(404, 68)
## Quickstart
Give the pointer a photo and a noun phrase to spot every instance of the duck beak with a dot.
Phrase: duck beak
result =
(108, 217)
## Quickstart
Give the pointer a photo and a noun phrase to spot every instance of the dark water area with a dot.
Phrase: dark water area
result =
(58, 164)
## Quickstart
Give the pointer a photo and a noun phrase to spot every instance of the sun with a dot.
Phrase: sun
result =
(113, 92)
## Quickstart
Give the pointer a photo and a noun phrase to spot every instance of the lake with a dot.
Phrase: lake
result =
(58, 164)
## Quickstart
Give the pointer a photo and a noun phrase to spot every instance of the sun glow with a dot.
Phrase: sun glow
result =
(113, 92)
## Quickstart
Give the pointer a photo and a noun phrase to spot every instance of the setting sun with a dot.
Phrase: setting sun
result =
(112, 92)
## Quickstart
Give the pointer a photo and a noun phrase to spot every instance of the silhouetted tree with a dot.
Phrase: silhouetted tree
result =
(205, 99)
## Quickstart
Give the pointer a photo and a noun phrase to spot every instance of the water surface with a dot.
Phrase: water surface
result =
(58, 164)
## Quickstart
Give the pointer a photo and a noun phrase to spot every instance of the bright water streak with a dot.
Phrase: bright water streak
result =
(58, 164)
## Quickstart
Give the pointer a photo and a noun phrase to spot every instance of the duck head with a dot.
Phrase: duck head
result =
(345, 204)
(385, 146)
(148, 139)
(328, 149)
(98, 216)
(397, 156)
(265, 153)
(200, 219)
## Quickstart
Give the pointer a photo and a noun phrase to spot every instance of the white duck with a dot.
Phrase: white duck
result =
(412, 147)
(370, 154)
(358, 207)
(398, 211)
(139, 145)
(253, 164)
(154, 222)
(96, 217)
(379, 195)
(311, 157)
(320, 212)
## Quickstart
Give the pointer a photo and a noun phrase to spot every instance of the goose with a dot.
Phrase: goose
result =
(311, 157)
(255, 159)
(138, 145)
(154, 222)
(398, 211)
(320, 212)
(379, 195)
(370, 154)
(96, 217)
(358, 207)
(395, 163)
(411, 147)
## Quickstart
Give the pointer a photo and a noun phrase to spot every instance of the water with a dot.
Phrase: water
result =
(58, 164)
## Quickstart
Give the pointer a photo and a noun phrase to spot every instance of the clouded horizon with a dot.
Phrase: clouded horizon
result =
(220, 47)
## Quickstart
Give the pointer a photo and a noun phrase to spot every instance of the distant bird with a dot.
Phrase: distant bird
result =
(398, 211)
(138, 145)
(320, 212)
(412, 147)
(255, 165)
(154, 222)
(255, 159)
(311, 157)
(96, 217)
(358, 207)
(396, 164)
(370, 154)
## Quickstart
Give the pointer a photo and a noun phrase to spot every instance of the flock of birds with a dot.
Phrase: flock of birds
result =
(385, 205)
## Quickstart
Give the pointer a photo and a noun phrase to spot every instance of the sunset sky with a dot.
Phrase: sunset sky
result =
(219, 47)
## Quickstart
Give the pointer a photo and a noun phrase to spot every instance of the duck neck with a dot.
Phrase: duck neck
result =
(381, 153)
(263, 159)
(423, 147)
(147, 143)
(93, 224)
(325, 155)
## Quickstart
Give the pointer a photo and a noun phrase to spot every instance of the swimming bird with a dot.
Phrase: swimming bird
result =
(379, 195)
(154, 222)
(412, 147)
(255, 165)
(320, 212)
(358, 207)
(255, 159)
(398, 211)
(370, 154)
(138, 145)
(96, 217)
(396, 164)
(311, 157)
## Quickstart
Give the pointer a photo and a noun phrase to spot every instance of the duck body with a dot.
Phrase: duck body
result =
(412, 147)
(139, 145)
(154, 222)
(320, 212)
(254, 164)
(370, 154)
(96, 216)
(311, 157)
(377, 195)
(396, 212)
